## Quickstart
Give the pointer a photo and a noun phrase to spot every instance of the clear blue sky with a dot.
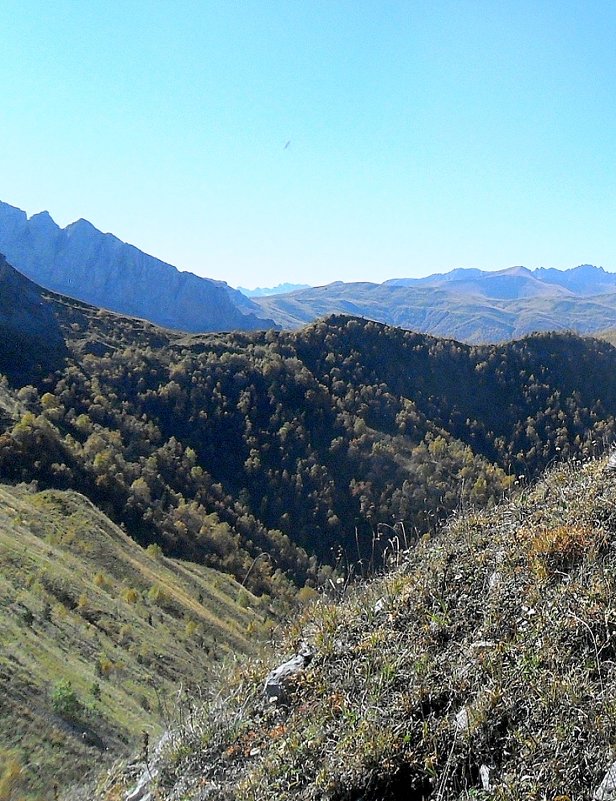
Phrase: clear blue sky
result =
(424, 135)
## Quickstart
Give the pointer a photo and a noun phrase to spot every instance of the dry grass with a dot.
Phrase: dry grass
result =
(77, 608)
(555, 549)
(494, 648)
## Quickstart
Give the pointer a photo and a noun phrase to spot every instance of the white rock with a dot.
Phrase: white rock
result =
(484, 775)
(277, 681)
(141, 791)
(379, 606)
(606, 791)
(462, 719)
(494, 580)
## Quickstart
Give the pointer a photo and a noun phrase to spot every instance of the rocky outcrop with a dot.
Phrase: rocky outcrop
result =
(82, 262)
(280, 680)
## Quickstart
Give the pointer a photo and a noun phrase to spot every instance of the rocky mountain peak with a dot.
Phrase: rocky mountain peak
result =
(98, 268)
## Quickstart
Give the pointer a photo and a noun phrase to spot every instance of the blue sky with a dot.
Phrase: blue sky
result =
(423, 135)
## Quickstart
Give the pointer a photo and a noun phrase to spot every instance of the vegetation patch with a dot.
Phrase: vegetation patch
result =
(469, 672)
(88, 661)
(557, 549)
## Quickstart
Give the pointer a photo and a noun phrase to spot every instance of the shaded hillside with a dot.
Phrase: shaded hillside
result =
(468, 305)
(82, 262)
(97, 635)
(314, 447)
(482, 667)
(32, 342)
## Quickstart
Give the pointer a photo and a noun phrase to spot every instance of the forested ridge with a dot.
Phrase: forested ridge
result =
(311, 446)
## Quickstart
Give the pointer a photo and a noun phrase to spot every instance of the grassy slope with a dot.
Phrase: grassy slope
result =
(81, 602)
(494, 647)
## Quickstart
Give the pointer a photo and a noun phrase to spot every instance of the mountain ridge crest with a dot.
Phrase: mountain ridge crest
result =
(82, 262)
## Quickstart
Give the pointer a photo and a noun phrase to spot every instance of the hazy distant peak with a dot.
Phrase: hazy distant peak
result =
(280, 289)
(590, 269)
(42, 215)
(12, 217)
(457, 274)
(7, 208)
(85, 224)
(587, 268)
(83, 228)
(518, 270)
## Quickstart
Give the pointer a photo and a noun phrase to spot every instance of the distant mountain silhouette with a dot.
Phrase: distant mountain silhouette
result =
(280, 289)
(583, 280)
(82, 262)
(471, 305)
(466, 304)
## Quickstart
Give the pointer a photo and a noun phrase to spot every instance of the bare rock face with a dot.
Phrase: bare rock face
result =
(82, 262)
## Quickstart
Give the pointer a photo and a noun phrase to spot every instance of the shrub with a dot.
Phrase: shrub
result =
(64, 701)
(130, 595)
(99, 580)
(11, 777)
(154, 551)
(104, 666)
(243, 599)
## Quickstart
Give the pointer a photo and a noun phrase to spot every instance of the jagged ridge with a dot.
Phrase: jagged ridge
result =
(82, 262)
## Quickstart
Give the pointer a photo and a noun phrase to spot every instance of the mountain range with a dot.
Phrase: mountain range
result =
(467, 304)
(325, 451)
(470, 305)
(279, 289)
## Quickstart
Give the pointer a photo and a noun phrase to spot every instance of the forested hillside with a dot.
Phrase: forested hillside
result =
(312, 448)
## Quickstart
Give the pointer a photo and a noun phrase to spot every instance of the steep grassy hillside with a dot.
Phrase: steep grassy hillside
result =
(97, 636)
(482, 667)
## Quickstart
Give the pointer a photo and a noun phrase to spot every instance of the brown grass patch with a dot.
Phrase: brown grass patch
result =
(556, 549)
